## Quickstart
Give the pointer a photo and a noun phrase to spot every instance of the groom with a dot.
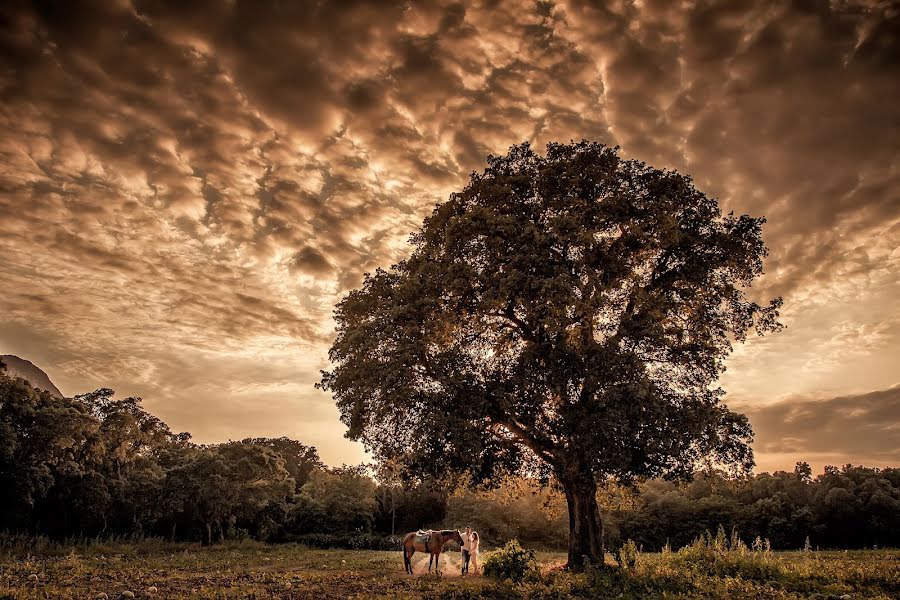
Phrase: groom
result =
(466, 550)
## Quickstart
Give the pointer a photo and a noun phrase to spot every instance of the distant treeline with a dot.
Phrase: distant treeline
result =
(93, 466)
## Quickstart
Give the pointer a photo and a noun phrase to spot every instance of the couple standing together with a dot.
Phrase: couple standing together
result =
(469, 550)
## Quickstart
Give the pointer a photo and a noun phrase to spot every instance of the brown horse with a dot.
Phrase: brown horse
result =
(434, 547)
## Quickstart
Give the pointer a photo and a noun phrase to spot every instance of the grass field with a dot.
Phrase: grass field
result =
(252, 570)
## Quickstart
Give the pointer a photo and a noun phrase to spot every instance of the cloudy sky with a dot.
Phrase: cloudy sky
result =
(187, 188)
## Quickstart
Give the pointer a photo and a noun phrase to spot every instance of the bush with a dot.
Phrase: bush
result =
(237, 533)
(369, 541)
(512, 562)
(628, 555)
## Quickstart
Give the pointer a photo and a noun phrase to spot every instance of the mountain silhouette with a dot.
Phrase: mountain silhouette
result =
(19, 367)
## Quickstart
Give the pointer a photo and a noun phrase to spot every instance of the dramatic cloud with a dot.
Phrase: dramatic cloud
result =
(187, 188)
(862, 426)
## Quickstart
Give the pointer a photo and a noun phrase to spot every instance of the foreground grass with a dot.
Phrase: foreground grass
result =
(251, 570)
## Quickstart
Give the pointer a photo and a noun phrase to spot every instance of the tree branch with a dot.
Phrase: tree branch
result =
(520, 325)
(527, 438)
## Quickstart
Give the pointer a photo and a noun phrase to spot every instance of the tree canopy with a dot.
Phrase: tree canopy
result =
(566, 315)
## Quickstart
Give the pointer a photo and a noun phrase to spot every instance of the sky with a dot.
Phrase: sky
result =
(187, 188)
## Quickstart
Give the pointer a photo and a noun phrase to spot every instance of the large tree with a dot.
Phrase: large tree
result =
(566, 315)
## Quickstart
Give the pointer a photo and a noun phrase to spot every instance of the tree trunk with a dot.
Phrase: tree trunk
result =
(585, 528)
(208, 533)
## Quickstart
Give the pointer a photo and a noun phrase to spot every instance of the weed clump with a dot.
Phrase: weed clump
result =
(628, 555)
(722, 556)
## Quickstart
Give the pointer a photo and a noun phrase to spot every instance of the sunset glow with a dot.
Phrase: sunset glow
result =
(188, 188)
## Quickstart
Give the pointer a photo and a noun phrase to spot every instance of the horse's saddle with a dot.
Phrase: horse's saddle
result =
(422, 536)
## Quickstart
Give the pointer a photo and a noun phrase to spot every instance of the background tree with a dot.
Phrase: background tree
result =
(50, 461)
(404, 504)
(388, 474)
(223, 484)
(131, 442)
(515, 509)
(62, 474)
(335, 500)
(565, 315)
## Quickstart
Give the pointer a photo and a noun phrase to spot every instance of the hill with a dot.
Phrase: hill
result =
(19, 367)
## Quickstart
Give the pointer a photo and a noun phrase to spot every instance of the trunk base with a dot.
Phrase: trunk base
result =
(585, 528)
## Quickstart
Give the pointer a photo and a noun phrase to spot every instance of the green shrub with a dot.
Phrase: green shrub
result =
(369, 541)
(628, 555)
(512, 562)
(237, 533)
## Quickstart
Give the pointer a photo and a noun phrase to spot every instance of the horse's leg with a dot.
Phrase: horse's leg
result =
(430, 560)
(412, 550)
(437, 563)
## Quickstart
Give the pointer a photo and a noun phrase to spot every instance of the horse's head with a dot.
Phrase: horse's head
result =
(457, 537)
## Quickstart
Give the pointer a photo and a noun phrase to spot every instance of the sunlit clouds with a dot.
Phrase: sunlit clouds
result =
(186, 189)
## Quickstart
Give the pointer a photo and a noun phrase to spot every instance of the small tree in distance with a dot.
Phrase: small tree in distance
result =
(565, 315)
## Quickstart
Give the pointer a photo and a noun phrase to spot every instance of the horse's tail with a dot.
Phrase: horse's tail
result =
(405, 557)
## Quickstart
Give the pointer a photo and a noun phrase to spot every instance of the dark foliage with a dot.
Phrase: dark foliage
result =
(96, 466)
(848, 507)
(92, 466)
(359, 541)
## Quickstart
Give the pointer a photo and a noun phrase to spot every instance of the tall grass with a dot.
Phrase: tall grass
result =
(721, 555)
(715, 566)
